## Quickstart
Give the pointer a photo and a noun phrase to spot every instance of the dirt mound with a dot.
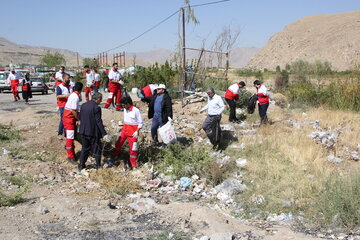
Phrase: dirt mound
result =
(332, 37)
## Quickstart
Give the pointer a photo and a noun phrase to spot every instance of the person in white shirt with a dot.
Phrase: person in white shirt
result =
(59, 74)
(211, 125)
(115, 86)
(71, 84)
(90, 80)
(132, 124)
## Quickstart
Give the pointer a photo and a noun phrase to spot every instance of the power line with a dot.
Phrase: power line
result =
(156, 25)
(209, 3)
(140, 35)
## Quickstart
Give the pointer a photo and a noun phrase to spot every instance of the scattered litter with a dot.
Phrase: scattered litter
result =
(185, 182)
(332, 158)
(241, 162)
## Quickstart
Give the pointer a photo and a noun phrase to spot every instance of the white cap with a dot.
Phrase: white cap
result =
(161, 86)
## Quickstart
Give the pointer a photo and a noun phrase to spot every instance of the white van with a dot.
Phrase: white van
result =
(4, 85)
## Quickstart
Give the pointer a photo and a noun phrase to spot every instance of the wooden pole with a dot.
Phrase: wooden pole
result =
(227, 69)
(183, 56)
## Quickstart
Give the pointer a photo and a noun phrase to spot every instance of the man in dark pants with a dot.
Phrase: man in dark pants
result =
(263, 101)
(160, 109)
(92, 130)
(231, 96)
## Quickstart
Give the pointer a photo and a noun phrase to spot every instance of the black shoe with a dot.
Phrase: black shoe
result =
(81, 167)
(73, 161)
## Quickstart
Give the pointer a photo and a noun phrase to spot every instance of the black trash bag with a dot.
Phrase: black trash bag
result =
(252, 104)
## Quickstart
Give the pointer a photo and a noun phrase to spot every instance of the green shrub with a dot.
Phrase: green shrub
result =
(217, 84)
(184, 162)
(8, 134)
(166, 235)
(338, 204)
(250, 73)
(14, 199)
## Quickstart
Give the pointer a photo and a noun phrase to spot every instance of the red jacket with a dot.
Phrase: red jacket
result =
(233, 92)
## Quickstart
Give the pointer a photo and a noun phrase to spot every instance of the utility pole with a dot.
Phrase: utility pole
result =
(182, 10)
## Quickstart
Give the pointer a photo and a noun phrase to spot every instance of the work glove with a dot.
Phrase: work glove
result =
(136, 134)
(107, 138)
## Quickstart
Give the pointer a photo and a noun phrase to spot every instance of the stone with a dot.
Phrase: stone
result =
(231, 187)
(332, 158)
(6, 152)
(241, 162)
(41, 209)
(204, 238)
(143, 204)
(222, 236)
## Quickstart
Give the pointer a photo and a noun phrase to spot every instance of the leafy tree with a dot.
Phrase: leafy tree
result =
(51, 60)
(91, 62)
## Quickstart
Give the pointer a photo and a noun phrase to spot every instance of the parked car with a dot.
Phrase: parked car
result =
(38, 85)
(3, 81)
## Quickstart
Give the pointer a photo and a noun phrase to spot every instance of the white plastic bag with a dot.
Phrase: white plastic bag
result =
(167, 133)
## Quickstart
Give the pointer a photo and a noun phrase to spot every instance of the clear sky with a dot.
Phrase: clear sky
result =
(92, 26)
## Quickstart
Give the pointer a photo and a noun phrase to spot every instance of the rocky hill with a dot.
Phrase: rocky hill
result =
(11, 52)
(334, 38)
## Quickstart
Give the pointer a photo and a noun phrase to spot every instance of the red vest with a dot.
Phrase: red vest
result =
(147, 91)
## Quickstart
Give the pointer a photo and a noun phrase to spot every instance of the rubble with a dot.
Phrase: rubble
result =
(332, 158)
(41, 209)
(228, 188)
(142, 204)
(328, 139)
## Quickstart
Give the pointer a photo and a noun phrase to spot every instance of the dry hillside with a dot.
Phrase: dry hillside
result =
(17, 54)
(334, 38)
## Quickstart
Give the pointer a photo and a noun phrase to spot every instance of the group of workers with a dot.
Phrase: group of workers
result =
(14, 79)
(87, 119)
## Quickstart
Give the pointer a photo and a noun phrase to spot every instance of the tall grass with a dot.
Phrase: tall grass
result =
(338, 203)
(340, 94)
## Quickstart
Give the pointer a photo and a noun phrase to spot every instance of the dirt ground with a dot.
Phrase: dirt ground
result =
(60, 204)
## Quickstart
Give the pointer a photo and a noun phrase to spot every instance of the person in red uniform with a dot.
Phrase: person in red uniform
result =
(59, 76)
(70, 117)
(97, 81)
(62, 94)
(132, 124)
(26, 88)
(231, 96)
(263, 101)
(90, 80)
(13, 80)
(115, 86)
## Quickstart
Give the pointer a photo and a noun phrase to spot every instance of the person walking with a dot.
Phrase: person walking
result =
(97, 81)
(91, 130)
(231, 96)
(62, 94)
(160, 109)
(71, 84)
(263, 101)
(70, 117)
(90, 80)
(211, 125)
(115, 86)
(132, 124)
(13, 80)
(26, 88)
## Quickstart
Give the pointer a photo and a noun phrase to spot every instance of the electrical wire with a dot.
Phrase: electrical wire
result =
(156, 25)
(209, 3)
(138, 36)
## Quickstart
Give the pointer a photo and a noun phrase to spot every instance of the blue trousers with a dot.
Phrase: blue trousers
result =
(156, 123)
(61, 125)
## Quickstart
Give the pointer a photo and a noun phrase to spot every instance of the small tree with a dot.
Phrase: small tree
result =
(91, 62)
(51, 60)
